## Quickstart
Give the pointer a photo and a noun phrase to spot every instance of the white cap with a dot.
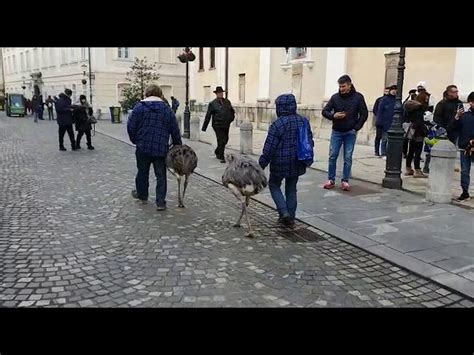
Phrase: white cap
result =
(422, 84)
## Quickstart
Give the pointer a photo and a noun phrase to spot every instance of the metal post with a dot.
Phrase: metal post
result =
(187, 113)
(226, 72)
(393, 168)
(90, 77)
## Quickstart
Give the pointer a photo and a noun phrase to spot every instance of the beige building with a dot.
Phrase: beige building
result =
(50, 70)
(258, 75)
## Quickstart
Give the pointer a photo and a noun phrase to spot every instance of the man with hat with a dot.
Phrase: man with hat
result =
(222, 114)
(384, 118)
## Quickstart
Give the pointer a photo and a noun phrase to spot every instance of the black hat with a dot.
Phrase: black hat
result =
(219, 89)
(393, 87)
(412, 91)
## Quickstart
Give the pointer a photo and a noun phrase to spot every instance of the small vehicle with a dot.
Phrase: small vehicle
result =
(15, 105)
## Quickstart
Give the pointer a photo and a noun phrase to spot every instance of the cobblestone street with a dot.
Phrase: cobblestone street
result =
(72, 236)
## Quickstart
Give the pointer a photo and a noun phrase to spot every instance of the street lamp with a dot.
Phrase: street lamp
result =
(186, 57)
(393, 168)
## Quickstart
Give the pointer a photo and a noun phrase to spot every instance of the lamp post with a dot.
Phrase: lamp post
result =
(393, 171)
(91, 76)
(226, 72)
(186, 57)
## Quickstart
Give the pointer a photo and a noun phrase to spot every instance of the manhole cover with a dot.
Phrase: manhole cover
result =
(303, 235)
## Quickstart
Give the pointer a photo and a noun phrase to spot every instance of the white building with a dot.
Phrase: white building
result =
(50, 70)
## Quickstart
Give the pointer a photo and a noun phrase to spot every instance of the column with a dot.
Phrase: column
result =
(264, 74)
(335, 67)
(464, 71)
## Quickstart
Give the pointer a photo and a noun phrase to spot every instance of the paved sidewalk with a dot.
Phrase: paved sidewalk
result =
(435, 241)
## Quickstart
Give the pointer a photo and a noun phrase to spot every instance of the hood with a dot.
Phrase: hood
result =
(286, 105)
(152, 103)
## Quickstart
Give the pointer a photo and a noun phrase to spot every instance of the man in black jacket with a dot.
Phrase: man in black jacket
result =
(348, 112)
(64, 111)
(447, 109)
(222, 114)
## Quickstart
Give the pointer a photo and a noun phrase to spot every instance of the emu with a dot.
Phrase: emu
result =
(244, 178)
(181, 161)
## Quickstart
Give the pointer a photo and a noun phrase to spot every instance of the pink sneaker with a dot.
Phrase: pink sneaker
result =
(345, 186)
(329, 185)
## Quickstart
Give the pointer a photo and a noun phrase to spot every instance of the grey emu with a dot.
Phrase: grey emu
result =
(244, 178)
(181, 161)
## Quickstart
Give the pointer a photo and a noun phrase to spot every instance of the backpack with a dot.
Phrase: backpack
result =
(305, 148)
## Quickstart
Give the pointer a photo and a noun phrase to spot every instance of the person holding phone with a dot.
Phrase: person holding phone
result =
(447, 109)
(348, 112)
(463, 127)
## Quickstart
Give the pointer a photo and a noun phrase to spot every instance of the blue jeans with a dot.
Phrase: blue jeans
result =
(286, 205)
(381, 136)
(465, 171)
(142, 180)
(337, 140)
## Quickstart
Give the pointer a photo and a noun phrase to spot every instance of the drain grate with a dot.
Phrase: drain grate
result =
(302, 235)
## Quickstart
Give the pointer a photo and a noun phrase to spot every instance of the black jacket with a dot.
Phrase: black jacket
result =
(222, 114)
(63, 110)
(444, 115)
(376, 105)
(80, 117)
(355, 107)
(463, 128)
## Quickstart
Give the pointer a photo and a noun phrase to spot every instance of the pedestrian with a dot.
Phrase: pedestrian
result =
(447, 109)
(374, 111)
(40, 107)
(162, 97)
(82, 118)
(416, 133)
(222, 114)
(50, 106)
(34, 107)
(463, 126)
(64, 111)
(421, 88)
(174, 104)
(406, 121)
(435, 133)
(149, 127)
(28, 106)
(348, 112)
(384, 118)
(281, 152)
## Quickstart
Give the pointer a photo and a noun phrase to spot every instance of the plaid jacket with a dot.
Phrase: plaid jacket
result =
(150, 125)
(281, 146)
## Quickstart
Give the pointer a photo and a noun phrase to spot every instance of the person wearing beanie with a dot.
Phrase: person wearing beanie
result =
(64, 120)
(379, 131)
(384, 120)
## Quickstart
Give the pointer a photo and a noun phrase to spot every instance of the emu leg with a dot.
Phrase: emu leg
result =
(180, 201)
(185, 186)
(250, 233)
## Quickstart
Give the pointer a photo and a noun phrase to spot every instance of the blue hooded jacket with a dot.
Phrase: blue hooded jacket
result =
(281, 146)
(385, 112)
(150, 126)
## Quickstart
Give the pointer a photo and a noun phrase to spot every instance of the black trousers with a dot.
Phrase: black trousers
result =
(414, 154)
(88, 137)
(222, 135)
(70, 132)
(50, 113)
(405, 146)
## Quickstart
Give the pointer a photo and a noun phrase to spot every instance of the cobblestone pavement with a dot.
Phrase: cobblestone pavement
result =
(71, 236)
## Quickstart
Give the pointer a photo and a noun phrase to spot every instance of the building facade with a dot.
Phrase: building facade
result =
(50, 70)
(256, 76)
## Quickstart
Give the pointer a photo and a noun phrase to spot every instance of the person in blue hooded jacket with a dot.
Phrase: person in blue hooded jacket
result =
(149, 127)
(281, 152)
(384, 118)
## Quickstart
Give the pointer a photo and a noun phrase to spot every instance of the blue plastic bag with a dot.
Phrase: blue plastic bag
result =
(305, 148)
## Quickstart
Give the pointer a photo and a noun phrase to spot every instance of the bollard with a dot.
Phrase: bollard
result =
(440, 181)
(246, 137)
(194, 127)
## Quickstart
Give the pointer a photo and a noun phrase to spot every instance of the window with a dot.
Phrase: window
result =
(52, 57)
(72, 55)
(22, 62)
(63, 56)
(297, 53)
(14, 63)
(123, 52)
(83, 53)
(201, 58)
(242, 88)
(207, 93)
(44, 52)
(36, 64)
(28, 60)
(213, 58)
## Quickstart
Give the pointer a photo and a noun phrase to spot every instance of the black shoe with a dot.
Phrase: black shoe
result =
(161, 208)
(78, 146)
(426, 171)
(73, 147)
(464, 197)
(90, 147)
(286, 221)
(135, 196)
(62, 149)
(223, 161)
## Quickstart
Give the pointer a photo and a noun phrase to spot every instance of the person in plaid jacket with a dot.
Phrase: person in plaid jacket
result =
(281, 152)
(149, 127)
